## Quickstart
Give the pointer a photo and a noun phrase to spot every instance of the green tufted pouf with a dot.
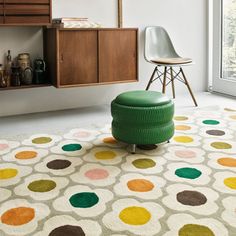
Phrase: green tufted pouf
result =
(142, 117)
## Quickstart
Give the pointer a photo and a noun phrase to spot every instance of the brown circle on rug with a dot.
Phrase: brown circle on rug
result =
(215, 132)
(191, 198)
(58, 164)
(68, 230)
(147, 147)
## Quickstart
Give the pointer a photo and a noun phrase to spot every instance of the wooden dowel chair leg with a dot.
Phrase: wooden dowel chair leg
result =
(172, 82)
(164, 81)
(188, 86)
(152, 76)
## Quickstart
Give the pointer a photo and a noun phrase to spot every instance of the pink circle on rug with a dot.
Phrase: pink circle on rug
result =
(81, 134)
(185, 154)
(3, 146)
(96, 174)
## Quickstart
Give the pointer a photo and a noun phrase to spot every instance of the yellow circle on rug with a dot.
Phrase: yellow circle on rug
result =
(105, 155)
(110, 140)
(195, 230)
(25, 155)
(230, 182)
(233, 117)
(182, 127)
(180, 118)
(140, 185)
(8, 173)
(227, 161)
(183, 139)
(221, 145)
(135, 215)
(41, 140)
(18, 216)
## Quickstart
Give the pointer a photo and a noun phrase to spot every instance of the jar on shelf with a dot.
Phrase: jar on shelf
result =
(23, 60)
(3, 82)
(26, 72)
(15, 76)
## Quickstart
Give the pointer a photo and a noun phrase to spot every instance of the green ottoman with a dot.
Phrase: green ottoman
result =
(142, 117)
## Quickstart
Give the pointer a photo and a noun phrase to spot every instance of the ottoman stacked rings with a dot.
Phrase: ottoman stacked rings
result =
(142, 117)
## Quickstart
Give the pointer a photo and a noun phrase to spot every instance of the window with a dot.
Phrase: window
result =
(222, 45)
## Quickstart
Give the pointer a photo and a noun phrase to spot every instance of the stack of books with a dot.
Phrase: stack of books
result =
(74, 22)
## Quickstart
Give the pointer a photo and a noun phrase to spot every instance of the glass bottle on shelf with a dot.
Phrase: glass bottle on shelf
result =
(3, 82)
(8, 68)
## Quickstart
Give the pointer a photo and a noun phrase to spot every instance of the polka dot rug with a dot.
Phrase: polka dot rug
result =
(84, 182)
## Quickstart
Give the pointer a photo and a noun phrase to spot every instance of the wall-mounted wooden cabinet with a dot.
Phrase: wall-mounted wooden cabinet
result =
(25, 12)
(1, 12)
(77, 57)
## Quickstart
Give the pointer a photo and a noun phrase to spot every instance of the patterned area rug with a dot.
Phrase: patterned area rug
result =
(86, 183)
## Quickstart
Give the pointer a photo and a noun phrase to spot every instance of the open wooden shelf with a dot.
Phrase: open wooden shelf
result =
(25, 86)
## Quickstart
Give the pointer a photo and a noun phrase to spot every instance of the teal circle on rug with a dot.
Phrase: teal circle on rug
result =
(84, 200)
(211, 122)
(71, 147)
(188, 173)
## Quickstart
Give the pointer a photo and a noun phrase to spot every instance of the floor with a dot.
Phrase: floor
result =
(23, 125)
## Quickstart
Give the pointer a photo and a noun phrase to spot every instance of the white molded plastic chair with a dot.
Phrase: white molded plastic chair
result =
(159, 50)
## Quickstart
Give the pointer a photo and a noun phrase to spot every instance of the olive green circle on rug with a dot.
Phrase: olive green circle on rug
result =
(188, 173)
(211, 122)
(221, 145)
(71, 147)
(41, 140)
(195, 230)
(42, 186)
(84, 200)
(69, 230)
(229, 109)
(144, 163)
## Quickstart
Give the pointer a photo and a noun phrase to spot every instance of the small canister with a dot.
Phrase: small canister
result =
(23, 60)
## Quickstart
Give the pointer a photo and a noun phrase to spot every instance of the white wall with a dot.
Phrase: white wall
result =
(185, 20)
